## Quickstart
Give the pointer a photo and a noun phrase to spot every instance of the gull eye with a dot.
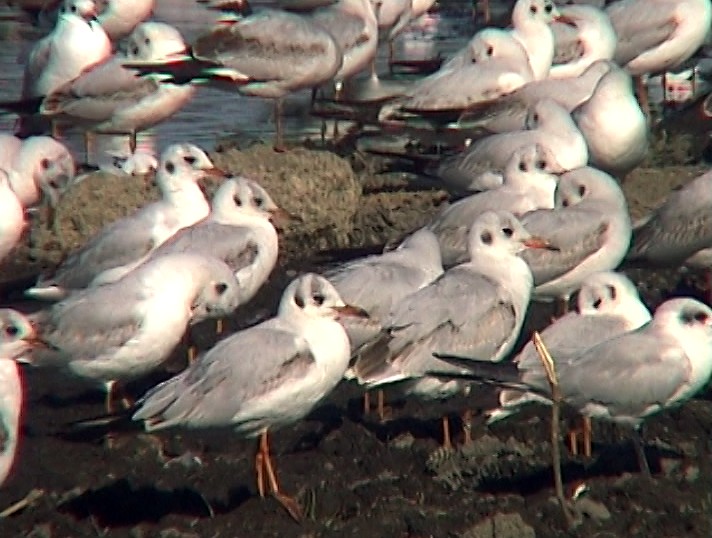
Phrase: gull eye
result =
(486, 238)
(701, 317)
(237, 200)
(44, 163)
(147, 41)
(490, 50)
(565, 203)
(582, 190)
(11, 330)
(523, 166)
(548, 8)
(612, 291)
(259, 202)
(508, 232)
(597, 303)
(299, 300)
(134, 50)
(221, 288)
(190, 159)
(533, 9)
(318, 299)
(170, 167)
(541, 165)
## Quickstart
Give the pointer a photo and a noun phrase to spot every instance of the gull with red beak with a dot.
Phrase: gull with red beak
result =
(476, 308)
(262, 378)
(126, 243)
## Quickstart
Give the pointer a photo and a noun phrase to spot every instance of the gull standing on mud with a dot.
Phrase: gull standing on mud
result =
(475, 309)
(526, 186)
(589, 225)
(110, 98)
(265, 377)
(15, 330)
(126, 243)
(126, 329)
(240, 231)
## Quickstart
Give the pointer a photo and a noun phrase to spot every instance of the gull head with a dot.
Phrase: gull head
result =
(50, 164)
(546, 113)
(240, 200)
(588, 184)
(493, 43)
(687, 318)
(500, 234)
(612, 294)
(85, 9)
(534, 10)
(183, 164)
(530, 166)
(218, 292)
(154, 41)
(16, 332)
(312, 296)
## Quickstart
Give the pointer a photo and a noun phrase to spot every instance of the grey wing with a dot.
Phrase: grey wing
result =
(447, 317)
(270, 46)
(576, 233)
(122, 242)
(36, 63)
(629, 374)
(89, 324)
(246, 366)
(99, 92)
(235, 245)
(678, 229)
(348, 30)
(639, 29)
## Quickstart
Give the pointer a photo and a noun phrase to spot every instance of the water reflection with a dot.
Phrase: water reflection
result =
(213, 113)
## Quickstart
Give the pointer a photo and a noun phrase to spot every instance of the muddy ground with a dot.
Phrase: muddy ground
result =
(352, 474)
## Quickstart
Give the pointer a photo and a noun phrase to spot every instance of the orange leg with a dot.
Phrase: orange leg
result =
(366, 403)
(586, 432)
(263, 464)
(219, 326)
(467, 426)
(384, 412)
(447, 443)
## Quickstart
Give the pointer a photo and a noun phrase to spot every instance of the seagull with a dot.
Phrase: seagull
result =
(38, 167)
(530, 21)
(589, 224)
(586, 37)
(510, 112)
(119, 18)
(608, 305)
(126, 243)
(126, 329)
(15, 331)
(613, 124)
(269, 54)
(77, 42)
(12, 223)
(110, 98)
(262, 378)
(475, 309)
(526, 186)
(630, 377)
(240, 230)
(657, 35)
(378, 283)
(678, 229)
(549, 125)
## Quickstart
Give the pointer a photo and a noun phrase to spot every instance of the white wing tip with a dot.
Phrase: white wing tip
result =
(48, 293)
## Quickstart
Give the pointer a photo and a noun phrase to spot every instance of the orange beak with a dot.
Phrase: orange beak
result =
(563, 19)
(215, 172)
(280, 218)
(539, 242)
(351, 311)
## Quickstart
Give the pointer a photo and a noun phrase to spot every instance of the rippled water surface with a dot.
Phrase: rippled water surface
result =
(214, 113)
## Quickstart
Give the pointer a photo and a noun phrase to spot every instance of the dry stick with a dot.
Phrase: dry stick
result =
(29, 499)
(553, 379)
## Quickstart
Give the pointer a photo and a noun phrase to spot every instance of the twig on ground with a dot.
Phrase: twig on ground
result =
(28, 500)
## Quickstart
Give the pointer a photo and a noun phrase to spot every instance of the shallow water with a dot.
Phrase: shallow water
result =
(213, 113)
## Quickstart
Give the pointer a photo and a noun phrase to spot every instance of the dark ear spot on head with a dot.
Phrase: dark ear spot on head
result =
(237, 200)
(221, 288)
(508, 232)
(170, 167)
(44, 163)
(523, 166)
(533, 9)
(486, 238)
(299, 300)
(11, 330)
(597, 303)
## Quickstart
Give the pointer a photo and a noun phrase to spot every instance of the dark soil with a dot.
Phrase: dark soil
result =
(353, 475)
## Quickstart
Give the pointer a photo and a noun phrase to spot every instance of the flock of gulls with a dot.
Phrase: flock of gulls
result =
(551, 121)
